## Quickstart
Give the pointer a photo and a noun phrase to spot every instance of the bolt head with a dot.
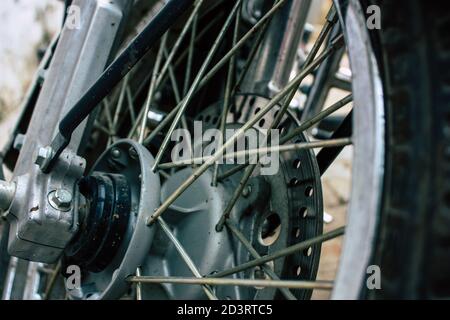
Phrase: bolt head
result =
(115, 153)
(43, 156)
(133, 153)
(61, 199)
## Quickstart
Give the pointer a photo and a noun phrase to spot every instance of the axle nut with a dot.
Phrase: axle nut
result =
(60, 199)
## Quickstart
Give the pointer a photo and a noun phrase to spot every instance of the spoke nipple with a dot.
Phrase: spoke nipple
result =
(221, 224)
(247, 191)
(150, 220)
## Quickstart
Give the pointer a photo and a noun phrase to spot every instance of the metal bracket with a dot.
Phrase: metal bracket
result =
(42, 221)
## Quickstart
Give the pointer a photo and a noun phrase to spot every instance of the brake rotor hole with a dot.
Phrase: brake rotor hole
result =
(262, 122)
(309, 191)
(308, 252)
(270, 229)
(303, 212)
(294, 182)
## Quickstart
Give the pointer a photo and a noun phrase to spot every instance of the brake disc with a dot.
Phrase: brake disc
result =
(274, 212)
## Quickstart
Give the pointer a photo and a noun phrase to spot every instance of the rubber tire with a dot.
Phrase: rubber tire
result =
(413, 244)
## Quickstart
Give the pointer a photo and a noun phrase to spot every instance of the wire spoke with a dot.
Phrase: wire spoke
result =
(317, 285)
(250, 169)
(173, 80)
(261, 23)
(227, 99)
(185, 52)
(232, 171)
(282, 253)
(131, 105)
(161, 78)
(316, 119)
(181, 110)
(138, 285)
(205, 31)
(326, 157)
(176, 117)
(234, 198)
(337, 43)
(109, 119)
(176, 93)
(102, 128)
(251, 56)
(187, 26)
(187, 75)
(184, 255)
(332, 143)
(170, 116)
(52, 281)
(177, 63)
(152, 88)
(120, 103)
(303, 127)
(267, 269)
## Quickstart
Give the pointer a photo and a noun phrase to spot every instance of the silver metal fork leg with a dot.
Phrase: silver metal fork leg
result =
(40, 231)
(277, 54)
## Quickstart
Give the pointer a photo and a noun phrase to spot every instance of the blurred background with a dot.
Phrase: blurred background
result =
(26, 28)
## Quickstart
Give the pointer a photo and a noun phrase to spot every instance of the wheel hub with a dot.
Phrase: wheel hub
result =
(114, 239)
(104, 222)
(272, 213)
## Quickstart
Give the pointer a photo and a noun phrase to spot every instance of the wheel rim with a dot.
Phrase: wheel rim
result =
(368, 160)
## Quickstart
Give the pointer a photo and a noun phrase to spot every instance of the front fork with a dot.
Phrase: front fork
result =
(42, 208)
(274, 62)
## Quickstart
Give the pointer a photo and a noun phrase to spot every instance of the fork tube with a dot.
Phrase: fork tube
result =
(278, 51)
